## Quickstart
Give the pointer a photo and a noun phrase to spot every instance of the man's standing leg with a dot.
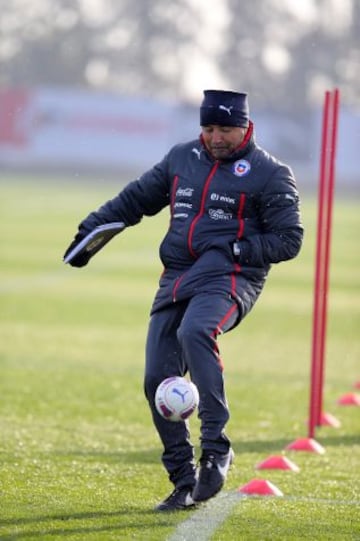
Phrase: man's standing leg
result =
(164, 359)
(207, 316)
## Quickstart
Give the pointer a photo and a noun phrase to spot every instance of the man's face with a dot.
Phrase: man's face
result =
(221, 141)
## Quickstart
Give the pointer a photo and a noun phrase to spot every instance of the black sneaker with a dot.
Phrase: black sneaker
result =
(212, 474)
(180, 498)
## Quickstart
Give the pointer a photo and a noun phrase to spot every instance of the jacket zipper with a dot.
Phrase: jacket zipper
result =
(240, 232)
(193, 224)
(202, 207)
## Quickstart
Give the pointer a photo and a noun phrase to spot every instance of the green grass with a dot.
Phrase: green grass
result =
(79, 456)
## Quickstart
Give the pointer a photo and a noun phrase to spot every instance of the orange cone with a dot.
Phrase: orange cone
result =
(277, 462)
(306, 444)
(349, 399)
(327, 419)
(260, 487)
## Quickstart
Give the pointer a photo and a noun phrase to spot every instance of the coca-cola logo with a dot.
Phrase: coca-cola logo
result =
(184, 192)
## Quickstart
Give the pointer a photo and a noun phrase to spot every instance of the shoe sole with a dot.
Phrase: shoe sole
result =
(174, 509)
(164, 508)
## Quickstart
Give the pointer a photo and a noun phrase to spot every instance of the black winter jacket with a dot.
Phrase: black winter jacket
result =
(250, 198)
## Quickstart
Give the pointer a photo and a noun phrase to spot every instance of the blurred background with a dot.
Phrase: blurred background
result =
(105, 87)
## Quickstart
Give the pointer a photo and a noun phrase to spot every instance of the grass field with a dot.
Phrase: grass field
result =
(79, 456)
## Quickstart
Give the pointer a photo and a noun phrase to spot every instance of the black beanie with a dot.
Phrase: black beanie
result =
(224, 108)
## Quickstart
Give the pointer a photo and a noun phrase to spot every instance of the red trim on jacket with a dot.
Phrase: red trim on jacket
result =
(173, 193)
(202, 207)
(176, 286)
(240, 216)
(247, 137)
(233, 283)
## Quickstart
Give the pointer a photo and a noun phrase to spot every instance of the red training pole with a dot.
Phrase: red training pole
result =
(314, 382)
(333, 128)
(325, 201)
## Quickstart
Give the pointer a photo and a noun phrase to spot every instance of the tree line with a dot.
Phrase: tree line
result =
(283, 58)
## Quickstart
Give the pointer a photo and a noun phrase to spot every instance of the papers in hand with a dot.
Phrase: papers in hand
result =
(95, 240)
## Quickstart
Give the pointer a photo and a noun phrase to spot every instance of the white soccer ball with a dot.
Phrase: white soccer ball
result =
(176, 398)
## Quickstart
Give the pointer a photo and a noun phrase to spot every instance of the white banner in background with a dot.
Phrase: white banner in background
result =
(66, 127)
(79, 130)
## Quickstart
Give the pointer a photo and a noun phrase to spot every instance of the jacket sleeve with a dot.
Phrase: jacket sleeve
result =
(145, 196)
(278, 209)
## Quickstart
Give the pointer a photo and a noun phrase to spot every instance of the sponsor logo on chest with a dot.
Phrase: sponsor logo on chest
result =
(223, 198)
(184, 192)
(220, 214)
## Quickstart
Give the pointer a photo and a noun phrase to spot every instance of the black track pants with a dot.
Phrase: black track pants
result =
(182, 338)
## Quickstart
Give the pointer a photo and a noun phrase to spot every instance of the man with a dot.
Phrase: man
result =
(234, 210)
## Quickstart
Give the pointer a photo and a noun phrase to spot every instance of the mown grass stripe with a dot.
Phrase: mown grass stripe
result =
(211, 515)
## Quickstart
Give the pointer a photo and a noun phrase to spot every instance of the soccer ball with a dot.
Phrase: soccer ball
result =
(176, 398)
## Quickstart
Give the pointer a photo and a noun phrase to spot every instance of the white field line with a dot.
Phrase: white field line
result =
(211, 515)
(207, 519)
